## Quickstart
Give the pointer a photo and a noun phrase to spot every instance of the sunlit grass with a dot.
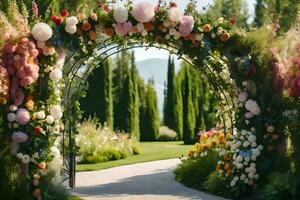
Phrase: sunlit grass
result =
(150, 151)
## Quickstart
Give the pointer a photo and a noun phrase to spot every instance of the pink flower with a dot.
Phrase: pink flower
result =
(123, 29)
(22, 116)
(19, 137)
(243, 97)
(8, 48)
(143, 12)
(186, 25)
(249, 115)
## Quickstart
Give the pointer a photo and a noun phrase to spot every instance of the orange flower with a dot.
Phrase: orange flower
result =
(218, 167)
(207, 28)
(148, 26)
(30, 105)
(225, 36)
(3, 101)
(229, 172)
(81, 16)
(31, 60)
(42, 165)
(227, 166)
(162, 28)
(86, 26)
(29, 97)
(93, 35)
(109, 31)
(37, 193)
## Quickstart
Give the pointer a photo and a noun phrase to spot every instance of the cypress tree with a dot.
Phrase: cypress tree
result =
(169, 102)
(98, 100)
(142, 109)
(188, 108)
(135, 129)
(151, 122)
(178, 109)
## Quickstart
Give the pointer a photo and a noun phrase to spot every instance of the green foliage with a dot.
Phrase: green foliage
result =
(217, 185)
(57, 192)
(194, 172)
(101, 144)
(98, 100)
(166, 134)
(278, 187)
(150, 116)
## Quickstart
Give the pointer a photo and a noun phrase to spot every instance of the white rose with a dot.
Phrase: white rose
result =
(260, 147)
(56, 112)
(233, 183)
(256, 176)
(239, 159)
(256, 152)
(253, 158)
(120, 14)
(71, 29)
(251, 176)
(11, 117)
(41, 115)
(16, 125)
(140, 27)
(252, 138)
(49, 119)
(252, 106)
(55, 75)
(174, 14)
(13, 108)
(221, 20)
(41, 32)
(243, 176)
(72, 21)
(25, 159)
(19, 155)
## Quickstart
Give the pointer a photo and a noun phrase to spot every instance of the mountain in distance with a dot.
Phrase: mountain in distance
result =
(158, 70)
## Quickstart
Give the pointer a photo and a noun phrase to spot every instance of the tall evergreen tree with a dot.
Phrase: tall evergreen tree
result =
(98, 100)
(188, 108)
(169, 102)
(178, 109)
(150, 113)
(135, 129)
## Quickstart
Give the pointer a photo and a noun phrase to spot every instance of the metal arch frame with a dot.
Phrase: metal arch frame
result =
(72, 74)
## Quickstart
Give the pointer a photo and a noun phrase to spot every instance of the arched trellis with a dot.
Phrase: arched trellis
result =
(77, 82)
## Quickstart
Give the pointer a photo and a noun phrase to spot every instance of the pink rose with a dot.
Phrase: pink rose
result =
(186, 25)
(243, 97)
(123, 29)
(8, 48)
(143, 12)
(19, 137)
(22, 116)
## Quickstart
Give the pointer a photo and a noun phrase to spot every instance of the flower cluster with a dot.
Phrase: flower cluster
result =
(4, 85)
(209, 141)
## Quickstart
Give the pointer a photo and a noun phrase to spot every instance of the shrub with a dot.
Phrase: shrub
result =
(100, 144)
(166, 134)
(217, 185)
(279, 187)
(194, 172)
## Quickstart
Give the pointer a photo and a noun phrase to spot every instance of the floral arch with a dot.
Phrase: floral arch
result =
(43, 78)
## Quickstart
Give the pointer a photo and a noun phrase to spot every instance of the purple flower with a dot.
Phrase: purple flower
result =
(22, 116)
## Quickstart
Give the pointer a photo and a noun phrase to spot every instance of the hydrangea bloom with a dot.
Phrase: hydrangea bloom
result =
(120, 14)
(123, 29)
(143, 12)
(252, 106)
(19, 137)
(41, 32)
(174, 14)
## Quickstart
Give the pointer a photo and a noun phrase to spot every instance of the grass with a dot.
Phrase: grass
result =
(75, 198)
(149, 151)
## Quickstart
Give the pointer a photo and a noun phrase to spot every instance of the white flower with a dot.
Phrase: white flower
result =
(251, 176)
(221, 20)
(55, 75)
(252, 138)
(41, 115)
(198, 37)
(56, 112)
(256, 176)
(253, 144)
(25, 159)
(55, 151)
(13, 108)
(49, 119)
(255, 152)
(41, 32)
(253, 158)
(71, 29)
(174, 14)
(71, 21)
(233, 183)
(41, 44)
(260, 147)
(239, 159)
(120, 14)
(270, 129)
(252, 106)
(19, 155)
(140, 27)
(243, 176)
(243, 97)
(16, 125)
(246, 144)
(11, 117)
(144, 33)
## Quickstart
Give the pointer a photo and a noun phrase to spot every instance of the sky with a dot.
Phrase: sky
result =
(142, 54)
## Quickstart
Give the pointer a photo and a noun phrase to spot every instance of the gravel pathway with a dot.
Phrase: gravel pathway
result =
(143, 181)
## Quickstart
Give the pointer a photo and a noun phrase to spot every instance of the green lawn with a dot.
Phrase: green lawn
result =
(150, 151)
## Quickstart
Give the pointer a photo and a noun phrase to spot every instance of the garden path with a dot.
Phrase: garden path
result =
(142, 181)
